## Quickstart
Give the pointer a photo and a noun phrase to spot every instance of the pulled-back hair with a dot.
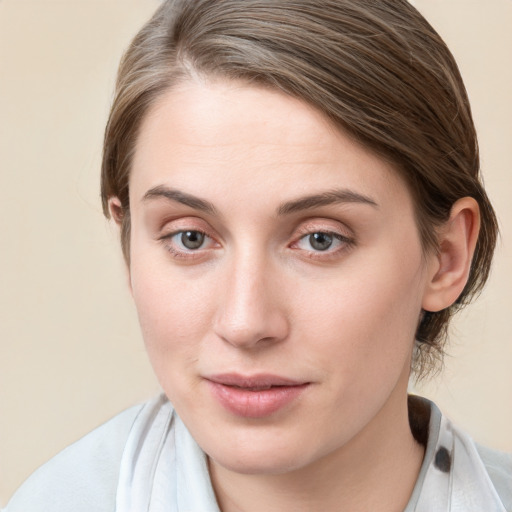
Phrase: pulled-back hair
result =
(376, 68)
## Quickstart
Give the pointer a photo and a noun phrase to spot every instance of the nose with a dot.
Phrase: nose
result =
(251, 311)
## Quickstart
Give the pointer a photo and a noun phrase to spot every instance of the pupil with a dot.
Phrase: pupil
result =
(192, 239)
(320, 241)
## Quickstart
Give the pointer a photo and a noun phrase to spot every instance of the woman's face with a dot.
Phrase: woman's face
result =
(278, 275)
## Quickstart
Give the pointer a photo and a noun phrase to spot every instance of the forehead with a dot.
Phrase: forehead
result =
(226, 114)
(213, 137)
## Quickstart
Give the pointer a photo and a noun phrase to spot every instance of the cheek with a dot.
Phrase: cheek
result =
(365, 318)
(174, 315)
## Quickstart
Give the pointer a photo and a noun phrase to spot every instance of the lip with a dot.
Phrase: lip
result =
(255, 396)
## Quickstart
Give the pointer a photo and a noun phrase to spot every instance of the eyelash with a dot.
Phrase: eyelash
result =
(343, 244)
(184, 253)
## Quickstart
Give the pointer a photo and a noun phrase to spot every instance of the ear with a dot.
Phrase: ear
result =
(116, 212)
(450, 267)
(116, 209)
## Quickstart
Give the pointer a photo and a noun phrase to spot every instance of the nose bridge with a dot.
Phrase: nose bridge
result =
(250, 310)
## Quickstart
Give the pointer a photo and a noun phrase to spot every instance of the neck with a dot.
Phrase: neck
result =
(376, 471)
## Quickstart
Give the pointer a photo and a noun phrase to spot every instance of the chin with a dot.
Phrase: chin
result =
(265, 463)
(261, 454)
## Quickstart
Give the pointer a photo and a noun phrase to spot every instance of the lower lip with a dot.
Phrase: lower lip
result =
(255, 404)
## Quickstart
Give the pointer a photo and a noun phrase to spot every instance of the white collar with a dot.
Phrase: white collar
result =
(453, 477)
(164, 470)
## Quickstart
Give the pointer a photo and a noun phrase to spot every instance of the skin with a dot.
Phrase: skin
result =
(258, 297)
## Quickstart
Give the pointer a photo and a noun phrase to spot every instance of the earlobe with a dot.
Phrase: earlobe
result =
(116, 209)
(452, 263)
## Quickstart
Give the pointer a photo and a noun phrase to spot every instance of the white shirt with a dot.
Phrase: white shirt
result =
(145, 460)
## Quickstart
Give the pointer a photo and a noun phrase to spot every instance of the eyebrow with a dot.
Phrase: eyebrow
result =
(171, 194)
(330, 197)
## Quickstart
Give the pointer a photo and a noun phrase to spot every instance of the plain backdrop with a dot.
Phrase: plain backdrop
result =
(71, 355)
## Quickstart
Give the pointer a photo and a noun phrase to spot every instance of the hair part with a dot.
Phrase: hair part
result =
(376, 68)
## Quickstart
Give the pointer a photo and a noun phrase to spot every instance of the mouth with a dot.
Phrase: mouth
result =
(256, 388)
(256, 396)
(260, 381)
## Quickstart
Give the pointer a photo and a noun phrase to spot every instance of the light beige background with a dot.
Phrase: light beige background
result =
(70, 349)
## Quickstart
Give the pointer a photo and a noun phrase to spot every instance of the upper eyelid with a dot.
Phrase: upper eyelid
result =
(325, 226)
(190, 223)
(329, 230)
(175, 232)
(172, 219)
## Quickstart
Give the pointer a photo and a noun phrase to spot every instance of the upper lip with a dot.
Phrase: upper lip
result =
(261, 380)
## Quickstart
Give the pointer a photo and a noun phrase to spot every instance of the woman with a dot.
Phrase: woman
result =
(297, 189)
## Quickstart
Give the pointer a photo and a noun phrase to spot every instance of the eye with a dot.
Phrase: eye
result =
(320, 241)
(188, 244)
(323, 242)
(191, 239)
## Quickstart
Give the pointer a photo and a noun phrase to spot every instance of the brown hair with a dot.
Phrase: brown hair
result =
(374, 67)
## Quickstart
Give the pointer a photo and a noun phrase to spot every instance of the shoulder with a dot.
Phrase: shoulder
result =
(457, 470)
(499, 469)
(83, 477)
